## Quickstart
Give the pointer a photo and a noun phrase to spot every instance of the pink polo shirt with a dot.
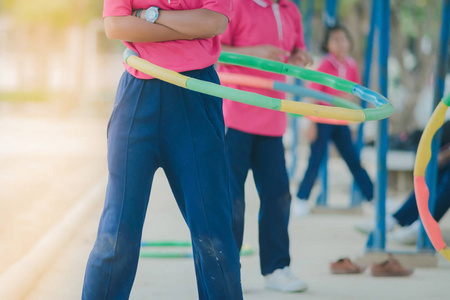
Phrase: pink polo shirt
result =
(180, 55)
(347, 69)
(260, 22)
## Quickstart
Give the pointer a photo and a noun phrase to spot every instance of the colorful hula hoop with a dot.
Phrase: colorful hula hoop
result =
(382, 110)
(420, 186)
(245, 251)
(274, 85)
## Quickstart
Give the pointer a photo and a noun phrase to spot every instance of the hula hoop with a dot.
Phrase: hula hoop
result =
(420, 186)
(382, 110)
(245, 251)
(274, 85)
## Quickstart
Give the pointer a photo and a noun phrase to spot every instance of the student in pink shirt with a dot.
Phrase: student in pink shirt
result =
(271, 30)
(156, 124)
(336, 62)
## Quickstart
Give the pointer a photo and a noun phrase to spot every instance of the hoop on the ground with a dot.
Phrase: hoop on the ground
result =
(420, 186)
(245, 251)
(382, 110)
(274, 85)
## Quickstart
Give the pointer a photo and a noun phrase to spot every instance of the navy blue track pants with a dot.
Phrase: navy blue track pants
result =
(341, 136)
(265, 156)
(156, 124)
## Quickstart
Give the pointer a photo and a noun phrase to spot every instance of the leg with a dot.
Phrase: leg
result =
(442, 194)
(239, 149)
(132, 161)
(194, 159)
(269, 170)
(315, 157)
(408, 213)
(342, 139)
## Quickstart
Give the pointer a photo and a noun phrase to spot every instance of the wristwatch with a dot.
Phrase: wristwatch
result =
(152, 14)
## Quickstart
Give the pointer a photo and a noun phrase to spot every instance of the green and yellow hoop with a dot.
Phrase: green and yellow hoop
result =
(164, 253)
(420, 186)
(274, 85)
(382, 109)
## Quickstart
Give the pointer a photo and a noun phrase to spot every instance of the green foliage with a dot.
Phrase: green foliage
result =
(418, 17)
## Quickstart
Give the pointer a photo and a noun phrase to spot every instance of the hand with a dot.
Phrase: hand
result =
(300, 58)
(311, 133)
(269, 52)
(443, 156)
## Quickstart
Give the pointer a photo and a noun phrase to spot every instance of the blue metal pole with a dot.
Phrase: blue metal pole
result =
(323, 171)
(330, 13)
(308, 20)
(379, 238)
(431, 173)
(356, 197)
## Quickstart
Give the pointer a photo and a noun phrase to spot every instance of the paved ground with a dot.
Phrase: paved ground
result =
(46, 165)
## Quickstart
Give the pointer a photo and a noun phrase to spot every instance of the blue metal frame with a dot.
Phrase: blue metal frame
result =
(330, 13)
(423, 243)
(384, 16)
(377, 239)
(322, 198)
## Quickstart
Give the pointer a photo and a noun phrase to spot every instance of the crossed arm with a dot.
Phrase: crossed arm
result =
(171, 25)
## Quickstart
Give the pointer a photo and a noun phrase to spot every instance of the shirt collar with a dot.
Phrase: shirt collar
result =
(336, 62)
(268, 3)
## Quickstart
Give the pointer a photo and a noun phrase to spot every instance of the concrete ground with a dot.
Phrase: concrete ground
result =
(48, 165)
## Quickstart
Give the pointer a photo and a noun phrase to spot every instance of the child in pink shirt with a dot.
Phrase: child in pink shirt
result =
(271, 30)
(336, 62)
(155, 124)
(181, 45)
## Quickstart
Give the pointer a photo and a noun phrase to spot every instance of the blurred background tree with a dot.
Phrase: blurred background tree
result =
(53, 12)
(55, 48)
(415, 28)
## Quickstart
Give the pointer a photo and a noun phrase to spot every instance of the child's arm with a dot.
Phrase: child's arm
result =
(201, 23)
(263, 51)
(132, 29)
(170, 25)
(300, 58)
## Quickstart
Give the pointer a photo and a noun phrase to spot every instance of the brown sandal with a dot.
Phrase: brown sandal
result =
(390, 267)
(346, 266)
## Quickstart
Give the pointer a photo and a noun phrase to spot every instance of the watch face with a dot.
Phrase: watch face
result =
(151, 14)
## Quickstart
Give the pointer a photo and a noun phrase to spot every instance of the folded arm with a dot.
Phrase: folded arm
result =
(170, 25)
(132, 29)
(201, 23)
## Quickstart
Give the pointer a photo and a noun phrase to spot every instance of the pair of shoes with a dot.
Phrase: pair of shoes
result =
(406, 235)
(367, 227)
(389, 268)
(346, 266)
(300, 208)
(284, 281)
